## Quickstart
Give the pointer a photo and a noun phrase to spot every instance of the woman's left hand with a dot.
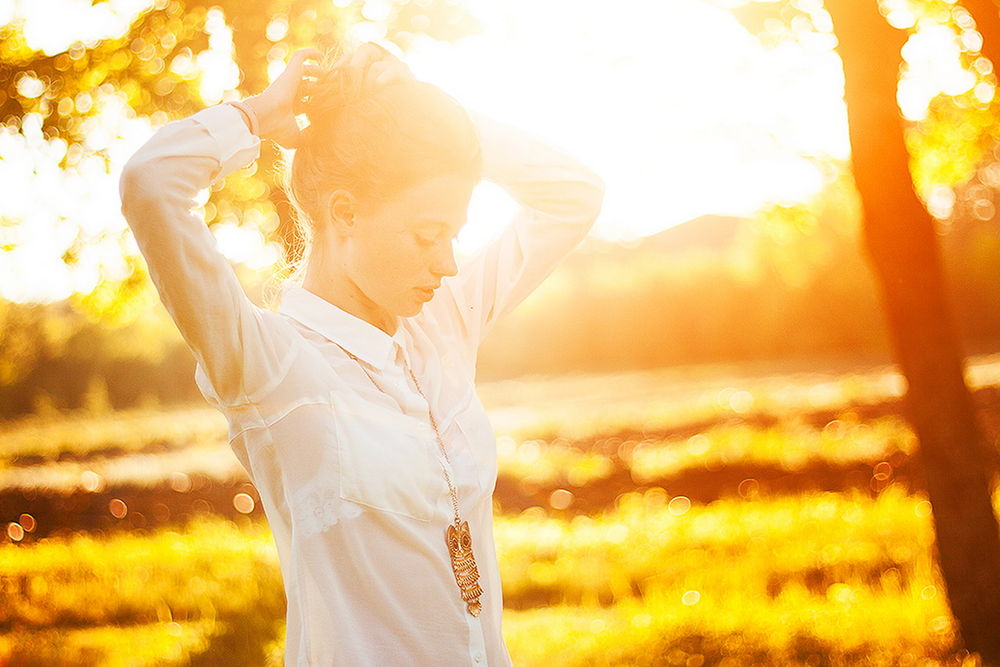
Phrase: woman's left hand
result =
(384, 67)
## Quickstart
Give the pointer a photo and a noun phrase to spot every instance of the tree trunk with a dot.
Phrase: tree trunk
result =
(902, 246)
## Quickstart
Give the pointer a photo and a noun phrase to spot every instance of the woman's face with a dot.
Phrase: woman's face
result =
(402, 248)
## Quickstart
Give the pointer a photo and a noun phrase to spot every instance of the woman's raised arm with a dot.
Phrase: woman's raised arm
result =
(239, 354)
(559, 199)
(195, 282)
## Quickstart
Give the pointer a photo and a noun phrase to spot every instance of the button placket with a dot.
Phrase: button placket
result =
(477, 639)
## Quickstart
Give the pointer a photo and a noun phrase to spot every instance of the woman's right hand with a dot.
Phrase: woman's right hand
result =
(275, 108)
(370, 66)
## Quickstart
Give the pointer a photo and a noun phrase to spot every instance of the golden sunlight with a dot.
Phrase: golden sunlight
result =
(701, 410)
(685, 111)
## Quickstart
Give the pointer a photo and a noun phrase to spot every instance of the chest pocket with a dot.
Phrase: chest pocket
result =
(386, 459)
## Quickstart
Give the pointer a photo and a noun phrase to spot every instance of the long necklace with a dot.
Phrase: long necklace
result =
(457, 536)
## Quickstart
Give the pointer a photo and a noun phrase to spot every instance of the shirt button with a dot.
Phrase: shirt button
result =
(478, 657)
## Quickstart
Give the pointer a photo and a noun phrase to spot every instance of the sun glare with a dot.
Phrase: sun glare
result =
(675, 104)
(220, 73)
(51, 27)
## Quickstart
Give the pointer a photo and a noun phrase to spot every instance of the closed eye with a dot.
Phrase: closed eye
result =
(421, 229)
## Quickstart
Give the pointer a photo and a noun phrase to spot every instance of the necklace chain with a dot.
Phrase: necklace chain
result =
(457, 536)
(451, 486)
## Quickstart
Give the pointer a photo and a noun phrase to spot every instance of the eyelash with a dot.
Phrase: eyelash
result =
(427, 243)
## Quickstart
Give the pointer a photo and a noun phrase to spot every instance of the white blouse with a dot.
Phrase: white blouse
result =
(352, 479)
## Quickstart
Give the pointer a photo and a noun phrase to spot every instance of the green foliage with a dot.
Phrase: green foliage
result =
(959, 131)
(820, 578)
(115, 304)
(160, 643)
(816, 541)
(794, 284)
(153, 70)
(152, 64)
(957, 136)
(144, 66)
(827, 577)
(802, 267)
(53, 351)
(210, 586)
(91, 434)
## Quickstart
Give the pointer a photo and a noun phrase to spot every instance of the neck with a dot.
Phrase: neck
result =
(344, 293)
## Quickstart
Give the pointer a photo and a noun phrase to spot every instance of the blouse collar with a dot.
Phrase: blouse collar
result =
(359, 336)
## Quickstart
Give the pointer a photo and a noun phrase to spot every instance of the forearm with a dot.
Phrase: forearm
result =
(538, 176)
(559, 201)
(212, 143)
(194, 280)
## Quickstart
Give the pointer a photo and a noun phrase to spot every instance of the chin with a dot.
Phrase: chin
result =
(411, 309)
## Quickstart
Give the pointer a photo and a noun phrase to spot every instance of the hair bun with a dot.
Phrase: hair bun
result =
(326, 96)
(335, 88)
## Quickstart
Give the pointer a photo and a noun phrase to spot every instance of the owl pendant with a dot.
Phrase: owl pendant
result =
(463, 562)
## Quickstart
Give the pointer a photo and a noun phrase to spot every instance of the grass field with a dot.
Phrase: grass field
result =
(705, 516)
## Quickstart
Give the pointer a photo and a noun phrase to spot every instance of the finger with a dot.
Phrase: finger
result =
(290, 71)
(386, 77)
(299, 101)
(388, 49)
(400, 70)
(369, 53)
(391, 73)
(342, 60)
(358, 65)
(296, 64)
(371, 75)
(308, 53)
(374, 70)
(378, 51)
(306, 89)
(358, 57)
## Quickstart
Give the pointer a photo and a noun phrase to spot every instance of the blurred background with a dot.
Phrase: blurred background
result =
(735, 425)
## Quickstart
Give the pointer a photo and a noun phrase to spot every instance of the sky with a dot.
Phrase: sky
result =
(677, 107)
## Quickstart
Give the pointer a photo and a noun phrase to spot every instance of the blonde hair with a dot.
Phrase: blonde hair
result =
(372, 144)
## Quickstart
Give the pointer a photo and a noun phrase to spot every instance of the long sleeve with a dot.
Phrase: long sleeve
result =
(559, 201)
(236, 351)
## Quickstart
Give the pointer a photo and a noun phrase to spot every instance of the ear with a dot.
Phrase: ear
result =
(340, 209)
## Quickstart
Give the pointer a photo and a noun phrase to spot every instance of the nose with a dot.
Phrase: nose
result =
(447, 267)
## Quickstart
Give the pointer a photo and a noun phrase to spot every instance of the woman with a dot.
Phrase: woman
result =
(353, 406)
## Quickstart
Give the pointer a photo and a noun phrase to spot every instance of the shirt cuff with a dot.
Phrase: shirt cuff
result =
(237, 147)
